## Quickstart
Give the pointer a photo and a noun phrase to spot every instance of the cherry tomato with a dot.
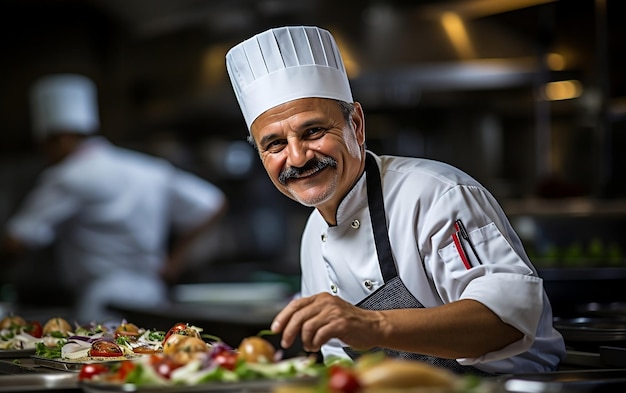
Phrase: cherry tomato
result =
(164, 367)
(129, 330)
(88, 371)
(34, 328)
(343, 380)
(226, 359)
(256, 350)
(105, 349)
(125, 367)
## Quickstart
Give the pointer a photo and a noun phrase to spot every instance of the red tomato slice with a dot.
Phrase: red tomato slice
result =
(88, 371)
(105, 349)
(34, 328)
(179, 327)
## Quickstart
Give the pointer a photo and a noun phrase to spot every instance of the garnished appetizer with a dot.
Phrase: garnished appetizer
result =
(16, 333)
(187, 359)
(101, 342)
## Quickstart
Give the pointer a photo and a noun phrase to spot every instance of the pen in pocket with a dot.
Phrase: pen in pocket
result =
(465, 235)
(461, 250)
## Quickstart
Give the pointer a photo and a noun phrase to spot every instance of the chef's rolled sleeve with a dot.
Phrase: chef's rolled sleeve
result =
(522, 309)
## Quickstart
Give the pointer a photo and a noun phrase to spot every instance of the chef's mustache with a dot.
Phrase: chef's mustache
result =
(312, 166)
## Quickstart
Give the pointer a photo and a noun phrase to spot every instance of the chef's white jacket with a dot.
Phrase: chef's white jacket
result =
(423, 198)
(109, 212)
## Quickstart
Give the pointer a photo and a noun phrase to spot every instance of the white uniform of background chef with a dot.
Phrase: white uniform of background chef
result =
(428, 262)
(108, 211)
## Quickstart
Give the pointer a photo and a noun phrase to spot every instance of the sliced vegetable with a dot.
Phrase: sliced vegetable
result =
(52, 352)
(103, 348)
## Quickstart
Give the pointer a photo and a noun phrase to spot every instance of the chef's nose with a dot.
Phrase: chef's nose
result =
(298, 153)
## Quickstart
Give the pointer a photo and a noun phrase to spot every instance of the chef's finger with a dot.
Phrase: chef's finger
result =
(289, 320)
(316, 332)
(282, 318)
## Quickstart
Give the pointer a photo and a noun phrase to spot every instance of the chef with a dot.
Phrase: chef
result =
(109, 212)
(408, 256)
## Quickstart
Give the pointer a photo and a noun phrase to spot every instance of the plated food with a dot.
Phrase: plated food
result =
(188, 360)
(58, 340)
(125, 357)
(18, 334)
(190, 364)
(98, 343)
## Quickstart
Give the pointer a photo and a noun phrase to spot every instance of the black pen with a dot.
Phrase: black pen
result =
(465, 235)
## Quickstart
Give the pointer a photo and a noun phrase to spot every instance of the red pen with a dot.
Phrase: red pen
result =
(460, 228)
(460, 248)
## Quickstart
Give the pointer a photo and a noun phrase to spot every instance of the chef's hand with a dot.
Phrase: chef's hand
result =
(322, 317)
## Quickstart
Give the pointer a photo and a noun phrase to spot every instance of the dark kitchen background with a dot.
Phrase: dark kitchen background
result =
(528, 96)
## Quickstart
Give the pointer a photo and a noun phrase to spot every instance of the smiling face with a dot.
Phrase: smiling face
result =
(310, 152)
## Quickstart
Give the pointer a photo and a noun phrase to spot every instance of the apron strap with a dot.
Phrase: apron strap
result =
(379, 219)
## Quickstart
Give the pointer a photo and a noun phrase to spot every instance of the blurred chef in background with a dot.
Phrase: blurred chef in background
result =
(110, 213)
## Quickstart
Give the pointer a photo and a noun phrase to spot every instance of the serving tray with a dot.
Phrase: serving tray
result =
(68, 365)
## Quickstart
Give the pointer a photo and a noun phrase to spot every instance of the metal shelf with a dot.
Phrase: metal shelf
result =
(571, 207)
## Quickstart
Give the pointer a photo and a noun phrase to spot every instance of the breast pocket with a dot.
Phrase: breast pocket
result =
(452, 259)
(492, 248)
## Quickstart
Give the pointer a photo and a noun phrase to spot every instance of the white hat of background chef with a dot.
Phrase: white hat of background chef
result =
(284, 64)
(64, 103)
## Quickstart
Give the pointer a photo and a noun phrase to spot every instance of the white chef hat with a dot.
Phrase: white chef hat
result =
(284, 64)
(64, 103)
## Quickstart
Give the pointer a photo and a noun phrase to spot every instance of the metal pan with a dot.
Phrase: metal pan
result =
(600, 330)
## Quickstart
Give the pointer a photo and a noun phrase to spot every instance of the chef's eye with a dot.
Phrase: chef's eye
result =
(315, 132)
(275, 146)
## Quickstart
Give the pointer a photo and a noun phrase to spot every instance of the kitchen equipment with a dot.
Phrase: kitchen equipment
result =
(245, 293)
(590, 333)
(608, 380)
(39, 382)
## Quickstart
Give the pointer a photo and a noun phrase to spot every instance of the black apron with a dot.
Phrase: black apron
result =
(393, 294)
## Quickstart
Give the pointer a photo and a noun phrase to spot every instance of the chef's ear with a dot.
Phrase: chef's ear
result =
(358, 123)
